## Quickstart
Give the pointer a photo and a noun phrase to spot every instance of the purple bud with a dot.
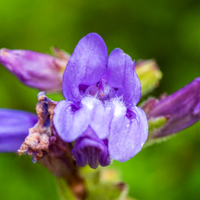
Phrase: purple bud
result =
(182, 109)
(14, 128)
(36, 70)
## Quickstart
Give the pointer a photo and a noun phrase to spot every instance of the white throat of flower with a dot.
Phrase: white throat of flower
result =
(90, 102)
(115, 103)
(120, 108)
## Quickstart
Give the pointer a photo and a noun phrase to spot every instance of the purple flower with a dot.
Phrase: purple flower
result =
(100, 110)
(14, 128)
(36, 70)
(182, 109)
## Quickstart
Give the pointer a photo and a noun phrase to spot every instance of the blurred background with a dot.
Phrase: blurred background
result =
(166, 30)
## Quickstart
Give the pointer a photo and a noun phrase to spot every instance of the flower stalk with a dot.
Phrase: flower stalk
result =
(46, 147)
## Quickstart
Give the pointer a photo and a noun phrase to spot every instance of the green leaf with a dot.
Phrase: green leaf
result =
(154, 125)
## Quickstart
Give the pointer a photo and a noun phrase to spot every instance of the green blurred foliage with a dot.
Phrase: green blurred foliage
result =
(166, 30)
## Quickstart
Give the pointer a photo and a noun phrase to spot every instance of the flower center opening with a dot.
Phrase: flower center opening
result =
(101, 91)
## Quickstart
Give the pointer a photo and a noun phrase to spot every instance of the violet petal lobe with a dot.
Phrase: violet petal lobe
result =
(14, 127)
(90, 149)
(121, 74)
(101, 118)
(128, 134)
(86, 66)
(79, 155)
(181, 108)
(69, 121)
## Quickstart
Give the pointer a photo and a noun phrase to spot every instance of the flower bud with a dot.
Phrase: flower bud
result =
(180, 109)
(34, 69)
(149, 75)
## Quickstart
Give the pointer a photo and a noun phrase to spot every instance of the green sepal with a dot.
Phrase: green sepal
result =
(152, 141)
(156, 123)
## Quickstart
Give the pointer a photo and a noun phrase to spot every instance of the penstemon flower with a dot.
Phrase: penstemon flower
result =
(100, 110)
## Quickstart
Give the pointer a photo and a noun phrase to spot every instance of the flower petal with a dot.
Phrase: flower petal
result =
(14, 126)
(128, 134)
(101, 119)
(69, 121)
(121, 74)
(86, 66)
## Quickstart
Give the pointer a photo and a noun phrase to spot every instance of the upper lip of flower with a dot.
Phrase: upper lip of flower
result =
(90, 62)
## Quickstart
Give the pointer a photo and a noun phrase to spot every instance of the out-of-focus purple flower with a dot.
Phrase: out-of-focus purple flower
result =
(36, 70)
(182, 109)
(14, 127)
(100, 110)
